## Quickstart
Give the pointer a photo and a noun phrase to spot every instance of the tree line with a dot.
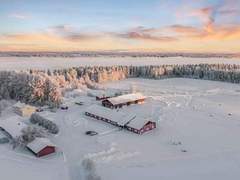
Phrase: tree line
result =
(47, 87)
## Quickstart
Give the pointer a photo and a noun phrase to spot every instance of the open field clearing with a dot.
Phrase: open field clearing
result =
(197, 126)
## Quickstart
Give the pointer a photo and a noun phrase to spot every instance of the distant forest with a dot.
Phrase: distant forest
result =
(117, 54)
(47, 87)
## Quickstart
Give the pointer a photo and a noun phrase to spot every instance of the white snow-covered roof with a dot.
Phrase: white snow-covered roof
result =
(19, 105)
(119, 117)
(126, 98)
(39, 143)
(138, 122)
(13, 126)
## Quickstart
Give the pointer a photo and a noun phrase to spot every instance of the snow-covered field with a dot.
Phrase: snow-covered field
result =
(23, 63)
(196, 136)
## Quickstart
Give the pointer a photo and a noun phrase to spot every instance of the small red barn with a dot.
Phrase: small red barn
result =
(41, 147)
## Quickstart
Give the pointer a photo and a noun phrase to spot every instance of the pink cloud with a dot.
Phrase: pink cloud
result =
(142, 33)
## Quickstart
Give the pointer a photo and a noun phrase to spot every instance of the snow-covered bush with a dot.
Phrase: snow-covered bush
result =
(45, 123)
(90, 170)
(18, 142)
(28, 135)
(3, 105)
(31, 132)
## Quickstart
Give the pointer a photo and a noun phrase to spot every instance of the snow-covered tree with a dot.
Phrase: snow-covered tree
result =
(47, 87)
(90, 170)
(28, 135)
(45, 123)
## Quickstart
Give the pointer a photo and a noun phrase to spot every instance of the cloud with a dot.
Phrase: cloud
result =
(230, 7)
(147, 34)
(229, 12)
(187, 41)
(214, 21)
(206, 15)
(19, 16)
(144, 36)
(71, 33)
(220, 13)
(182, 29)
(81, 37)
(60, 29)
(177, 37)
(217, 33)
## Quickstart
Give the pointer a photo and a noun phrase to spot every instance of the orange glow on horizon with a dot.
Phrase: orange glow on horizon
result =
(187, 39)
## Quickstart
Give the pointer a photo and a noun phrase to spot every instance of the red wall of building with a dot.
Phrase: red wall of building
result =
(47, 150)
(148, 127)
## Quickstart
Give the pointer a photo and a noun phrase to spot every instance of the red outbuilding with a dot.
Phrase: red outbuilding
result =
(41, 147)
(123, 100)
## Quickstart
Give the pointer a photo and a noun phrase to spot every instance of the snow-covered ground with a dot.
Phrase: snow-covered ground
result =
(23, 63)
(196, 136)
(202, 115)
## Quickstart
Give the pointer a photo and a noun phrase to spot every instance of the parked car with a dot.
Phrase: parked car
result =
(64, 107)
(91, 133)
(39, 110)
(79, 103)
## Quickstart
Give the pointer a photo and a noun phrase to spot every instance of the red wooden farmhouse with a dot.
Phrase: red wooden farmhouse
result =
(41, 147)
(123, 100)
(13, 127)
(127, 121)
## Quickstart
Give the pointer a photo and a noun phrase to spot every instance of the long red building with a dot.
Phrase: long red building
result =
(123, 100)
(129, 122)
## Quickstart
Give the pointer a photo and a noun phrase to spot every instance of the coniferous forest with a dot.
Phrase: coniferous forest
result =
(47, 87)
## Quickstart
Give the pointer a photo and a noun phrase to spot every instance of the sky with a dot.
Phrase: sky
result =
(123, 25)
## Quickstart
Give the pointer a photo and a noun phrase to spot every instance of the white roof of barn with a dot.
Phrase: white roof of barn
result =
(126, 98)
(13, 126)
(39, 144)
(119, 117)
(138, 123)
